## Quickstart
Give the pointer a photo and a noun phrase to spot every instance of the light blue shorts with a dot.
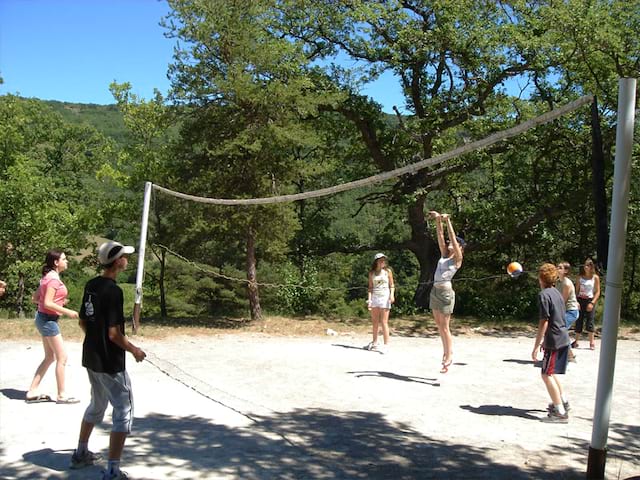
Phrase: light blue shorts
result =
(570, 317)
(114, 388)
(47, 325)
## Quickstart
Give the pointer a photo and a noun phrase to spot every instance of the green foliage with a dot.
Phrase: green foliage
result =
(48, 192)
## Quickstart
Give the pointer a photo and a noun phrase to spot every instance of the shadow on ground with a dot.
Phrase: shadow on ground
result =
(14, 394)
(395, 376)
(302, 444)
(504, 410)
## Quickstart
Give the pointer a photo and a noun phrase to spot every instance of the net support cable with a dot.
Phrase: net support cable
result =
(408, 169)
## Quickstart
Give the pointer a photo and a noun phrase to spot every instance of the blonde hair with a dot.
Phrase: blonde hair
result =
(548, 274)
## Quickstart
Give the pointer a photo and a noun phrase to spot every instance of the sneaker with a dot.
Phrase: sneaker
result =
(85, 460)
(372, 346)
(574, 344)
(118, 476)
(566, 405)
(555, 417)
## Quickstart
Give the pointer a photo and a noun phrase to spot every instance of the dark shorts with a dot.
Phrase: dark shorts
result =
(586, 319)
(554, 362)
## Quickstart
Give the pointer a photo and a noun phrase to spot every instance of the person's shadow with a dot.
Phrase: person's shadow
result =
(13, 394)
(503, 410)
(395, 376)
(58, 460)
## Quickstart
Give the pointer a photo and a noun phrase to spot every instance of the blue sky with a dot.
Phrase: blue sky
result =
(71, 50)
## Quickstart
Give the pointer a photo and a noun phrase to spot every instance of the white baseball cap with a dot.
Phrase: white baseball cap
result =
(379, 255)
(110, 251)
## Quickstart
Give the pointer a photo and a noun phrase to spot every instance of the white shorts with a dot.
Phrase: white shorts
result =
(380, 302)
(114, 388)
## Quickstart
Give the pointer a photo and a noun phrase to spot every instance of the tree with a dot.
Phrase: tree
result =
(48, 192)
(247, 98)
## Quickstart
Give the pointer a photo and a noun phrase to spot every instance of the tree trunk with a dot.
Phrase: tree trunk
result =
(599, 191)
(20, 298)
(163, 295)
(252, 286)
(426, 251)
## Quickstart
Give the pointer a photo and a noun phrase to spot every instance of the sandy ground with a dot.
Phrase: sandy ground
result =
(251, 406)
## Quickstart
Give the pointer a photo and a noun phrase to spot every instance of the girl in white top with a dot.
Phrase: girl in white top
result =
(442, 299)
(588, 293)
(380, 297)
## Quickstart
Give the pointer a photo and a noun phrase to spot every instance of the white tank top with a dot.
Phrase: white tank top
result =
(586, 287)
(445, 271)
(380, 283)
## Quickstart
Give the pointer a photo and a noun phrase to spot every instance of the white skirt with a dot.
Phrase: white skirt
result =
(380, 301)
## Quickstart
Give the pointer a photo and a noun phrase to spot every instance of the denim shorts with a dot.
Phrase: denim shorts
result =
(570, 317)
(47, 325)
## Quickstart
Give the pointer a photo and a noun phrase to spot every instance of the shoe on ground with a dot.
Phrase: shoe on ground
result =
(574, 344)
(118, 476)
(85, 460)
(566, 405)
(555, 417)
(372, 346)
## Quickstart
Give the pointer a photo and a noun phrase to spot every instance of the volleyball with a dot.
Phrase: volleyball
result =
(514, 269)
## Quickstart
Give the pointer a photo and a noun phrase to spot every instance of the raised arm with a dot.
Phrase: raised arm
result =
(439, 232)
(457, 250)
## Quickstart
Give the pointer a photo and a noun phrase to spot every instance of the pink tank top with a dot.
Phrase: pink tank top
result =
(51, 280)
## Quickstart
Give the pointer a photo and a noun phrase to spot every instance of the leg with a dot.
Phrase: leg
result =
(57, 345)
(375, 319)
(85, 431)
(437, 317)
(447, 338)
(384, 314)
(42, 368)
(121, 397)
(553, 388)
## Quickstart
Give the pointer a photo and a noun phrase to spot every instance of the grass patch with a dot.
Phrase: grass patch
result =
(406, 326)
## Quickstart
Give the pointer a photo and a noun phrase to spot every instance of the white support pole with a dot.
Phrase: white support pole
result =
(137, 308)
(615, 264)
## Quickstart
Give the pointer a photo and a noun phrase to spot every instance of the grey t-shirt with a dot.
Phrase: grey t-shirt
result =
(551, 305)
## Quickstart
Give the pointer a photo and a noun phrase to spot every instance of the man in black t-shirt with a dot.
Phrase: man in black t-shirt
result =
(103, 355)
(553, 329)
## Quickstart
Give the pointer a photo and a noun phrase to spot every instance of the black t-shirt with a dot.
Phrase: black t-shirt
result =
(102, 307)
(552, 308)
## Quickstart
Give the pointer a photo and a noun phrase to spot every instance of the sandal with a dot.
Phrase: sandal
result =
(445, 366)
(67, 401)
(38, 399)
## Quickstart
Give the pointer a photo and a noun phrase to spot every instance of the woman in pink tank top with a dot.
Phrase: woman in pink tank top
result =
(51, 297)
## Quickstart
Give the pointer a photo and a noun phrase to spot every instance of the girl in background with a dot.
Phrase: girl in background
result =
(381, 296)
(588, 293)
(568, 291)
(51, 296)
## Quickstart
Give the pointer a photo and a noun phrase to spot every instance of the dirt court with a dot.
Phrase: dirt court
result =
(254, 406)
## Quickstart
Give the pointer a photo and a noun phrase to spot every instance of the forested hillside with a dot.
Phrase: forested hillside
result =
(259, 107)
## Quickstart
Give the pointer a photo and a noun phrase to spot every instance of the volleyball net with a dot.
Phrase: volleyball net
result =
(367, 182)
